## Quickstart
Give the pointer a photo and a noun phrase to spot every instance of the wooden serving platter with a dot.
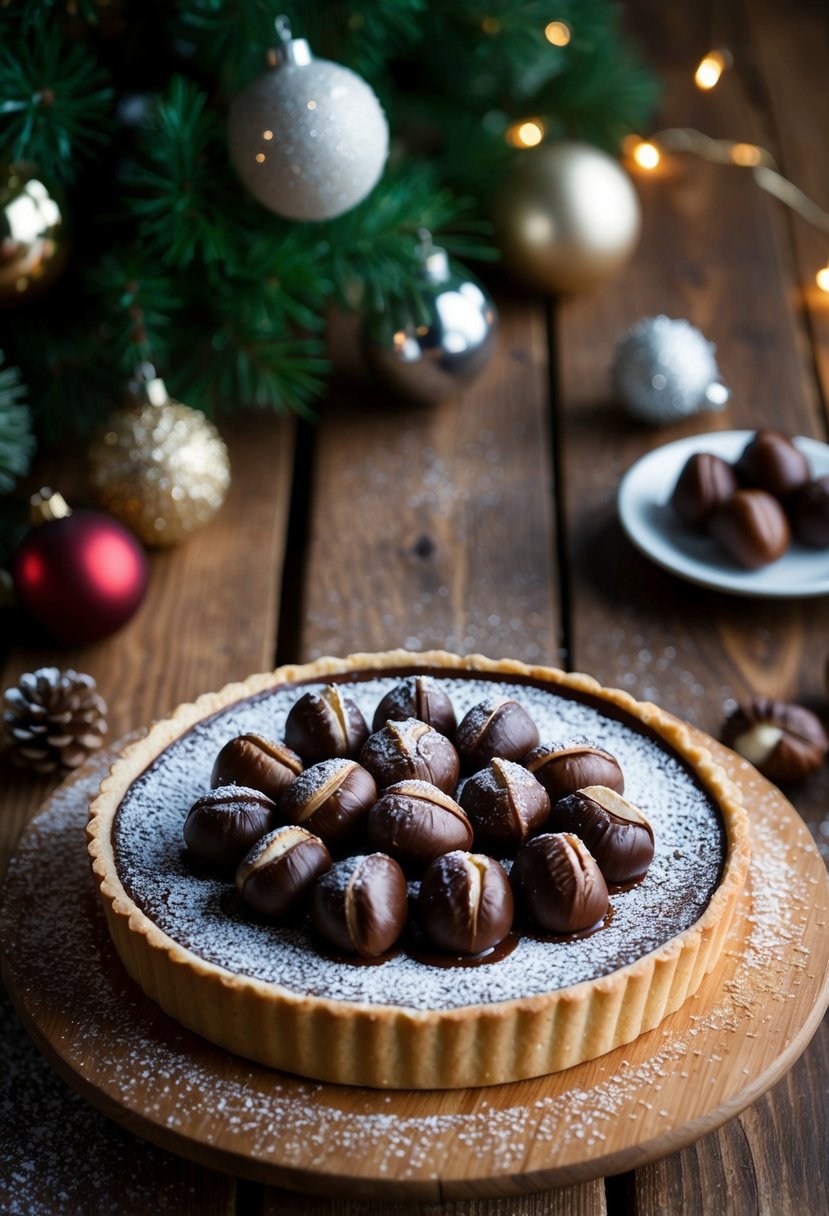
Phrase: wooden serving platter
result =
(743, 1030)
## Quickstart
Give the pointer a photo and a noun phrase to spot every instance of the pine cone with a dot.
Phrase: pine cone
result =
(53, 719)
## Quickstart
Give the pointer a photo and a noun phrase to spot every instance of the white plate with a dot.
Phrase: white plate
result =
(653, 528)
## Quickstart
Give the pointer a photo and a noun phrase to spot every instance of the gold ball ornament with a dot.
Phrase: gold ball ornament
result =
(566, 217)
(33, 239)
(159, 466)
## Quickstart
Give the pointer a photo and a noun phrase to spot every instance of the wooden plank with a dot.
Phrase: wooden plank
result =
(433, 528)
(716, 250)
(209, 617)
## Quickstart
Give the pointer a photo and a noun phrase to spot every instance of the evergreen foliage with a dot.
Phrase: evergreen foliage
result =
(123, 106)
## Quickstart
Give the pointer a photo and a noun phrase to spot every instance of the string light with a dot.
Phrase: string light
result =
(525, 134)
(711, 68)
(760, 163)
(558, 33)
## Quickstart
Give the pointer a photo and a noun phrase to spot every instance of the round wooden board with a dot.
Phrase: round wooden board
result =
(742, 1031)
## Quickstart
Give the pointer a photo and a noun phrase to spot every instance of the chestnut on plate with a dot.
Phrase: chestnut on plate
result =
(361, 904)
(785, 741)
(222, 826)
(752, 527)
(505, 804)
(417, 697)
(570, 767)
(259, 763)
(613, 829)
(771, 462)
(810, 514)
(276, 876)
(500, 727)
(416, 822)
(330, 799)
(558, 883)
(411, 750)
(705, 482)
(324, 724)
(465, 905)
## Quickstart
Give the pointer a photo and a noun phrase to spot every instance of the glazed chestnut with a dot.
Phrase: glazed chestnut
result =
(361, 905)
(417, 697)
(221, 826)
(500, 727)
(256, 762)
(613, 829)
(752, 527)
(465, 905)
(771, 462)
(276, 877)
(563, 770)
(411, 751)
(705, 482)
(416, 822)
(330, 799)
(558, 883)
(811, 514)
(505, 804)
(786, 742)
(321, 725)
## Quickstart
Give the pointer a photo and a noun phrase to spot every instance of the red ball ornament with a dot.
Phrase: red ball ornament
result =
(80, 574)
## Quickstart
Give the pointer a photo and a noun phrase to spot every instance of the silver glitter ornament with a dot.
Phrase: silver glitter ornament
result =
(159, 466)
(664, 370)
(429, 354)
(308, 138)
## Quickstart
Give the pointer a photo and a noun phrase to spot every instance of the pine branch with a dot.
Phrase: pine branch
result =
(17, 442)
(139, 304)
(55, 105)
(182, 190)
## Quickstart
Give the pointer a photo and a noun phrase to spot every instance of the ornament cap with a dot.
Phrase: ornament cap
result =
(47, 505)
(291, 51)
(146, 388)
(435, 259)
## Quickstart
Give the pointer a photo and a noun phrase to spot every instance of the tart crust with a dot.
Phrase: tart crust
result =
(393, 1046)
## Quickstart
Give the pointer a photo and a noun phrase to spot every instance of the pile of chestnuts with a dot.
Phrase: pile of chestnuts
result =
(373, 834)
(754, 507)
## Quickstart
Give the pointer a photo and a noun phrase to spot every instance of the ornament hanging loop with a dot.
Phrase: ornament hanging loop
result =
(435, 259)
(290, 51)
(47, 505)
(146, 387)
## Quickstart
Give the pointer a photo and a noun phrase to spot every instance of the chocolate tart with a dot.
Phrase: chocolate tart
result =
(536, 1005)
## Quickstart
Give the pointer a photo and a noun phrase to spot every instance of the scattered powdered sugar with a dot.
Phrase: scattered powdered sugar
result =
(60, 958)
(197, 911)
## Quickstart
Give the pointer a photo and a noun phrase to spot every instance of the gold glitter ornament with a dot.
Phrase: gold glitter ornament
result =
(33, 240)
(159, 466)
(308, 138)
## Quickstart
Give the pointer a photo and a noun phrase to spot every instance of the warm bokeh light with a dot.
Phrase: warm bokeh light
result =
(822, 279)
(746, 154)
(526, 134)
(646, 154)
(710, 70)
(558, 33)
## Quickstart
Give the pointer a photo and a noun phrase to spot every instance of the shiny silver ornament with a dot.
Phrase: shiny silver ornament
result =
(429, 355)
(308, 138)
(665, 369)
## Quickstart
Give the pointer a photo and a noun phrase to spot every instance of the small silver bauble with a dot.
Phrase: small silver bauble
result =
(429, 355)
(308, 138)
(665, 369)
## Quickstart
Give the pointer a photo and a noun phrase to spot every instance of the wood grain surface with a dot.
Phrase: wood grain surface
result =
(489, 524)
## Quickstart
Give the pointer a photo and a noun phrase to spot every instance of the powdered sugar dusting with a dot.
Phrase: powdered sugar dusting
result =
(58, 952)
(194, 909)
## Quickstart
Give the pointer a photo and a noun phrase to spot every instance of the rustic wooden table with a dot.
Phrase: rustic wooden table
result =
(488, 524)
